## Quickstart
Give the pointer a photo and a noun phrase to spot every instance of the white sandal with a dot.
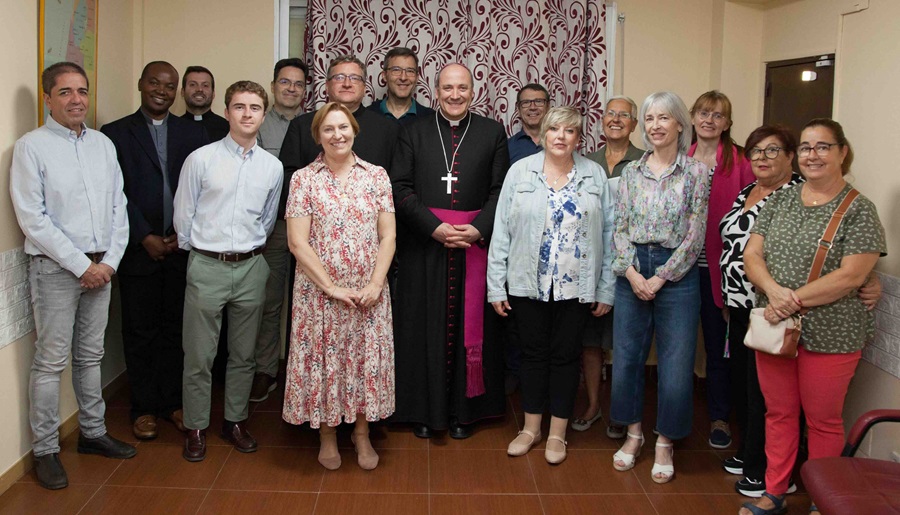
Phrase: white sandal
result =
(667, 471)
(519, 449)
(624, 457)
(555, 457)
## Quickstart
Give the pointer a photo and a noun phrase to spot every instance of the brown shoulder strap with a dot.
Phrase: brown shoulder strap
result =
(827, 238)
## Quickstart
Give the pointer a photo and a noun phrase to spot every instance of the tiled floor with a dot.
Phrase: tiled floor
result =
(438, 476)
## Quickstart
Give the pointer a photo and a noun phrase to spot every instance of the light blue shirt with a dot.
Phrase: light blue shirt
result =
(227, 200)
(519, 224)
(67, 193)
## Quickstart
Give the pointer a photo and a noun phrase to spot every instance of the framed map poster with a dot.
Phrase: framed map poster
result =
(68, 32)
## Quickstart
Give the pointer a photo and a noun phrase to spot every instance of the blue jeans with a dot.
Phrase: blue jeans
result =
(67, 318)
(673, 317)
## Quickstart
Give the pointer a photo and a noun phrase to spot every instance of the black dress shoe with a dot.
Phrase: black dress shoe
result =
(105, 446)
(50, 472)
(236, 434)
(459, 431)
(422, 431)
(194, 445)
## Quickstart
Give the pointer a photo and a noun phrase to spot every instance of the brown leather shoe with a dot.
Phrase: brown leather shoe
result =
(144, 427)
(263, 384)
(177, 418)
(238, 436)
(195, 445)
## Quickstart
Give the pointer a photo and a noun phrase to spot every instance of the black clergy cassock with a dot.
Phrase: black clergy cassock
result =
(428, 306)
(216, 126)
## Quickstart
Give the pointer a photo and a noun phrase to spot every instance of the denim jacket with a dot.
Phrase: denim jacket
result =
(519, 223)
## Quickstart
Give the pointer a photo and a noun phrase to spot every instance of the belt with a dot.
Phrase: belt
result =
(95, 257)
(230, 257)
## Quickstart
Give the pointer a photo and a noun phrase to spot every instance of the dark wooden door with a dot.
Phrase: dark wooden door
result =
(793, 101)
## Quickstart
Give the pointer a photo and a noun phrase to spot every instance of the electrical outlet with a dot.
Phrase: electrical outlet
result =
(895, 456)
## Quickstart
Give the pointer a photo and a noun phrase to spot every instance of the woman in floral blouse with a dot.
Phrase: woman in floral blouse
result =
(550, 251)
(777, 260)
(340, 217)
(660, 226)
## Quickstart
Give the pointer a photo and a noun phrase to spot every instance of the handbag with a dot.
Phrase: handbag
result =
(782, 339)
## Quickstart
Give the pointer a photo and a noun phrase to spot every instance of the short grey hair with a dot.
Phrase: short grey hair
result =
(672, 104)
(632, 103)
(565, 116)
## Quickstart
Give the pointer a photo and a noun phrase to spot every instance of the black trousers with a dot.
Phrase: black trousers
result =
(747, 398)
(550, 335)
(152, 311)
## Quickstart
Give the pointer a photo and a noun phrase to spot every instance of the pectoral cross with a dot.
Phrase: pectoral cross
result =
(450, 180)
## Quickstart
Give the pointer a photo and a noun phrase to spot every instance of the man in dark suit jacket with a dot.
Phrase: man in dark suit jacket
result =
(152, 145)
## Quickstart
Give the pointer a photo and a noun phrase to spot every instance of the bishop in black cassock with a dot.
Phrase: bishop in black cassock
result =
(446, 168)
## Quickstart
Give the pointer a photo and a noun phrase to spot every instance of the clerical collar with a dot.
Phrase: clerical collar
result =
(198, 117)
(453, 123)
(152, 121)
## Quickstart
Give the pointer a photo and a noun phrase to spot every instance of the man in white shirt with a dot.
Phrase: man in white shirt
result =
(225, 208)
(66, 188)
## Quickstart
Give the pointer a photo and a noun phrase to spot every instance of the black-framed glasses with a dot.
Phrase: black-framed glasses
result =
(341, 77)
(820, 148)
(756, 153)
(397, 71)
(285, 83)
(612, 115)
(537, 102)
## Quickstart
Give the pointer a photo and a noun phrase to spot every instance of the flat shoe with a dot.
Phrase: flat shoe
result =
(580, 424)
(624, 457)
(519, 449)
(667, 471)
(555, 457)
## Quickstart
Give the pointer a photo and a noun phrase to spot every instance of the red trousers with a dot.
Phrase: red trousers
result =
(815, 382)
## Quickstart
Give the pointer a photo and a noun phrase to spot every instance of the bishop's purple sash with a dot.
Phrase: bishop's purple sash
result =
(473, 302)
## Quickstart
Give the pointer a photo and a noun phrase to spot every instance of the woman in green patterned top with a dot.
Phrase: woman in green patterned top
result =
(777, 260)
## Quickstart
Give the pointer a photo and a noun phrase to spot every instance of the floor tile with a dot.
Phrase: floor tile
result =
(583, 472)
(632, 504)
(372, 504)
(270, 430)
(118, 424)
(695, 472)
(493, 504)
(392, 436)
(116, 500)
(163, 466)
(28, 498)
(692, 504)
(80, 468)
(280, 469)
(494, 434)
(225, 502)
(398, 471)
(479, 472)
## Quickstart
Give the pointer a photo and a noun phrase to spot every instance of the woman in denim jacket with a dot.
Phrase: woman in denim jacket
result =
(551, 251)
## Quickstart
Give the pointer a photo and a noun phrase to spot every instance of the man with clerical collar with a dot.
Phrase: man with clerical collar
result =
(532, 103)
(198, 88)
(151, 146)
(225, 208)
(401, 72)
(345, 84)
(446, 175)
(288, 96)
(66, 188)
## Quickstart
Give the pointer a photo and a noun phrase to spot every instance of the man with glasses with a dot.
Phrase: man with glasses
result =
(401, 71)
(288, 94)
(532, 103)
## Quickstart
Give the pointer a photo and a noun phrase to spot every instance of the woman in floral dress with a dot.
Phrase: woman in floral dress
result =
(341, 230)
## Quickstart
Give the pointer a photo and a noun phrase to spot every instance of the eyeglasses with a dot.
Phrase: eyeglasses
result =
(820, 148)
(341, 77)
(612, 115)
(756, 153)
(538, 102)
(397, 71)
(286, 83)
(716, 116)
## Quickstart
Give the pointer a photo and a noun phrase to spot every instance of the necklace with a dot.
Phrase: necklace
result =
(449, 178)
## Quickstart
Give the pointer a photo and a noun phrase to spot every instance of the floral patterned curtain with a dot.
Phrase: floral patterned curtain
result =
(560, 44)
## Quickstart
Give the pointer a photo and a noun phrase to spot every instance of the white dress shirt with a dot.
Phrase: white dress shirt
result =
(67, 193)
(227, 200)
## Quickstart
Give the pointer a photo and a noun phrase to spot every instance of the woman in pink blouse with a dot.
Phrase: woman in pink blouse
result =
(660, 226)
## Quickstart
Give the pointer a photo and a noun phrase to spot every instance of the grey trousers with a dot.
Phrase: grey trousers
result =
(67, 318)
(211, 287)
(278, 257)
